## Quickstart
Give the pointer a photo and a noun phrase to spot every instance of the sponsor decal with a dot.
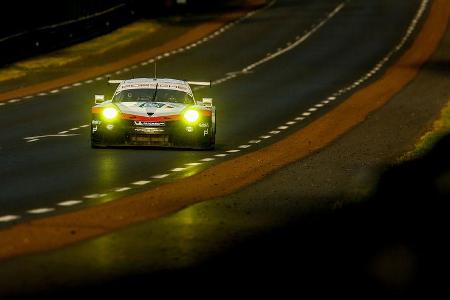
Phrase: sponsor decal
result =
(154, 104)
(96, 122)
(152, 85)
(149, 130)
(152, 124)
(203, 125)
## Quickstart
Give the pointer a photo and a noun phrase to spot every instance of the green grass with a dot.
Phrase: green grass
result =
(440, 128)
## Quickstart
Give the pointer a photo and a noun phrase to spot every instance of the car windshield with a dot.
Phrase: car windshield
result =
(153, 95)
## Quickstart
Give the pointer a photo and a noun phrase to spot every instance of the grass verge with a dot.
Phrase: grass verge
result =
(440, 128)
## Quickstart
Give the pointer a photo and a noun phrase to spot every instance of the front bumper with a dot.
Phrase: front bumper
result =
(166, 134)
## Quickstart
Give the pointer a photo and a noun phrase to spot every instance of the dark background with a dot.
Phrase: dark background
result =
(28, 28)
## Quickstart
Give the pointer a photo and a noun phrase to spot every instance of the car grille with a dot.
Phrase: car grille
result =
(153, 139)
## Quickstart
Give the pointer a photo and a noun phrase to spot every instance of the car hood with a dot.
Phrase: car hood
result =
(151, 109)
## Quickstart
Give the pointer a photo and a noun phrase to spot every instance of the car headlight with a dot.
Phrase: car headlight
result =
(110, 113)
(191, 116)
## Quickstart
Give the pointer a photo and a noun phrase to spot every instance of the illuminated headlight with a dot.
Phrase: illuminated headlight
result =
(110, 113)
(191, 116)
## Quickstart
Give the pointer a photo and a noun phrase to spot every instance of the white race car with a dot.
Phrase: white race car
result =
(153, 112)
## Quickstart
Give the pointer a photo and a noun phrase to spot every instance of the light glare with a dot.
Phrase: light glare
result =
(110, 113)
(191, 116)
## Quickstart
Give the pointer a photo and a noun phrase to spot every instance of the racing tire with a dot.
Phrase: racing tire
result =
(96, 145)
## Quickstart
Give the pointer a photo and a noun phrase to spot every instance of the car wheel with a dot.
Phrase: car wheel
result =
(95, 143)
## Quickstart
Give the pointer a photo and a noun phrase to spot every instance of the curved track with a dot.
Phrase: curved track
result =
(290, 59)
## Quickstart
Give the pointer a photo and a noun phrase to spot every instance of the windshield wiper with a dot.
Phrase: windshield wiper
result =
(154, 95)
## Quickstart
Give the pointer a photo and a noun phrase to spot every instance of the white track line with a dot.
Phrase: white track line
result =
(141, 182)
(69, 203)
(297, 42)
(160, 176)
(207, 159)
(42, 210)
(254, 141)
(9, 218)
(94, 196)
(233, 150)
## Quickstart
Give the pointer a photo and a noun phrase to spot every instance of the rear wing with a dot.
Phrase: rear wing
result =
(116, 81)
(203, 83)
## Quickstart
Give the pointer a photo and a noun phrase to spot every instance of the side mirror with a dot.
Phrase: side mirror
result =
(207, 101)
(99, 99)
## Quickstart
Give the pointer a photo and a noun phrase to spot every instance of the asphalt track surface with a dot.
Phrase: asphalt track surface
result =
(56, 169)
(340, 42)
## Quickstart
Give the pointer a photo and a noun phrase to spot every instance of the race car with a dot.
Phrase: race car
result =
(153, 112)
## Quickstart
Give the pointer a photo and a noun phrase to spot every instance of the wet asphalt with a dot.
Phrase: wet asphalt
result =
(178, 247)
(55, 169)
